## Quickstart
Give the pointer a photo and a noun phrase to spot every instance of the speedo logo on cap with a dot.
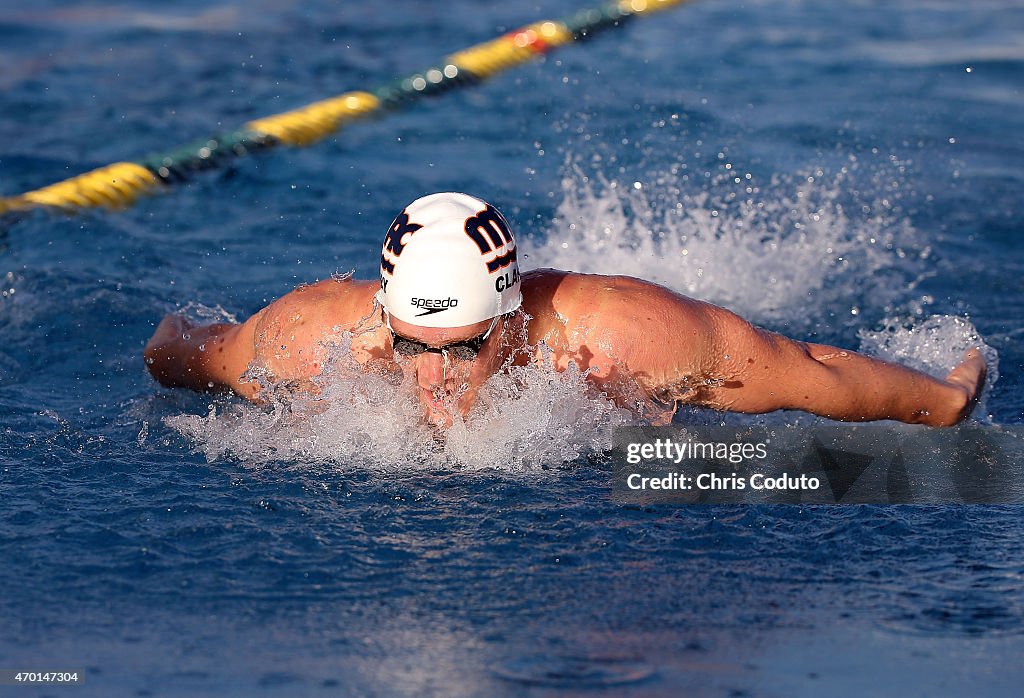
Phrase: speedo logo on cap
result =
(429, 306)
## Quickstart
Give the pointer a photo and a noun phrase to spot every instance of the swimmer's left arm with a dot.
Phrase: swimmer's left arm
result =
(762, 371)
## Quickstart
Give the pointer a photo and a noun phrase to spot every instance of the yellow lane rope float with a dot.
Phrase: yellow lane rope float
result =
(118, 185)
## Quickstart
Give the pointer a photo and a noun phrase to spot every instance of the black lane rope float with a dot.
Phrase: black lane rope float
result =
(118, 185)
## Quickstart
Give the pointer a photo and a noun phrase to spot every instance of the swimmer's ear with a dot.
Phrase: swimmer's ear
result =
(371, 321)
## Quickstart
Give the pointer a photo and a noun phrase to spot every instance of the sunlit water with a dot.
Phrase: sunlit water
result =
(829, 172)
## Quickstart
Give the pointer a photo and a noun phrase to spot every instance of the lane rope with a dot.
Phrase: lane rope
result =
(119, 185)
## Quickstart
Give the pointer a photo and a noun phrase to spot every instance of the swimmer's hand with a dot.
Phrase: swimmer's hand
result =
(170, 329)
(164, 349)
(968, 378)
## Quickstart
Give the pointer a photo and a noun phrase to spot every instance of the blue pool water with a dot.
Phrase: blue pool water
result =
(846, 172)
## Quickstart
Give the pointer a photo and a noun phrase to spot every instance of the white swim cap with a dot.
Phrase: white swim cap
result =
(449, 260)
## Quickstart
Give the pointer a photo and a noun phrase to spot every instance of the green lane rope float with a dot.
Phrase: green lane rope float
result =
(118, 185)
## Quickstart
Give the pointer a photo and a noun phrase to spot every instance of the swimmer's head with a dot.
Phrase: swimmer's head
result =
(449, 260)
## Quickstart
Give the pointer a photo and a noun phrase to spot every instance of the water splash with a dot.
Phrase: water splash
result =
(787, 254)
(527, 418)
(795, 253)
(205, 314)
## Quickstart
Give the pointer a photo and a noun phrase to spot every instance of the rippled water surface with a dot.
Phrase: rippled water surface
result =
(846, 172)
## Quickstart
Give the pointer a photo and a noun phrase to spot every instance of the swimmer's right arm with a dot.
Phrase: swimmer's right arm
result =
(207, 357)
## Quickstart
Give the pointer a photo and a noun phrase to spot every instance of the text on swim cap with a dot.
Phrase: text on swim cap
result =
(395, 242)
(439, 303)
(507, 280)
(490, 231)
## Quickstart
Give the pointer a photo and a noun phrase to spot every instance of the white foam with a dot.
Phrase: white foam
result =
(526, 419)
(788, 253)
(206, 314)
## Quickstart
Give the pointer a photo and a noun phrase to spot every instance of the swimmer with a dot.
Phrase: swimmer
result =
(452, 307)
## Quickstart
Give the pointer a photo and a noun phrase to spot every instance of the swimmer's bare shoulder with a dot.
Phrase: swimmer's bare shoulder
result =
(609, 323)
(288, 338)
(293, 335)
